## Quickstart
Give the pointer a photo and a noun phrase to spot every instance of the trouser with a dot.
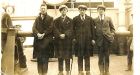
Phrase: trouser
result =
(61, 63)
(87, 63)
(130, 57)
(19, 54)
(43, 55)
(104, 56)
(42, 64)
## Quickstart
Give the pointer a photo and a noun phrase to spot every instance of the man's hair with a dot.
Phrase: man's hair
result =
(44, 4)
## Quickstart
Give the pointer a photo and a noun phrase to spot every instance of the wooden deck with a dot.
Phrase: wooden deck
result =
(118, 64)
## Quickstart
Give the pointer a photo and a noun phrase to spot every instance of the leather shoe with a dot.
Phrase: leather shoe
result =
(81, 73)
(88, 73)
(68, 73)
(60, 73)
(101, 73)
(107, 73)
(34, 60)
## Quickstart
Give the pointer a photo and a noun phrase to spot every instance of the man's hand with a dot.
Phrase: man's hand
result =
(74, 41)
(62, 36)
(93, 42)
(40, 36)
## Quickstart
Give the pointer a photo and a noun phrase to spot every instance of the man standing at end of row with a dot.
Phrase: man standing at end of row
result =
(104, 38)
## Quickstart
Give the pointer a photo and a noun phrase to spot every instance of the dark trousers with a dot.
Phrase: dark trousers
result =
(129, 58)
(43, 55)
(60, 64)
(19, 54)
(104, 56)
(87, 63)
(42, 64)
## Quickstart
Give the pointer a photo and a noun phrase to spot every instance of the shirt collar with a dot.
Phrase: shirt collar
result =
(63, 16)
(101, 18)
(82, 16)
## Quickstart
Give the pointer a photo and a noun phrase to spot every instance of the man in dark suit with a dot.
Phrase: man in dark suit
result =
(42, 30)
(63, 39)
(83, 26)
(104, 38)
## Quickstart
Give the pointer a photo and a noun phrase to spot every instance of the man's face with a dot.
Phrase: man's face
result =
(43, 9)
(82, 11)
(64, 11)
(101, 11)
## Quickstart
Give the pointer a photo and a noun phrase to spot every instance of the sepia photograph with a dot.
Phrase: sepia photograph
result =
(68, 37)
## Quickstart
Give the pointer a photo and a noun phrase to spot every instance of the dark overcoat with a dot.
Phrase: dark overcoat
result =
(84, 34)
(43, 26)
(63, 46)
(104, 29)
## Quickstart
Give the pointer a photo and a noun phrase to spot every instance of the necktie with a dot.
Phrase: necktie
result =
(101, 17)
(42, 16)
(83, 18)
(63, 19)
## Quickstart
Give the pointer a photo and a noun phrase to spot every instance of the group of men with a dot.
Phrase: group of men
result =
(83, 30)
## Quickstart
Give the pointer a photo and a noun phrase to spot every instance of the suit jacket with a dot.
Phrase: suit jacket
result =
(84, 34)
(63, 46)
(104, 29)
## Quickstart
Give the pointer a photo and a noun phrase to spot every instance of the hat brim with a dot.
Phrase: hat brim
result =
(82, 8)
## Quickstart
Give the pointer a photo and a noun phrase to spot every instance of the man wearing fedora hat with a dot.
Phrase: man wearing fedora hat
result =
(104, 37)
(83, 26)
(63, 39)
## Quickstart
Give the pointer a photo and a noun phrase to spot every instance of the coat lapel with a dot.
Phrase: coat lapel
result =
(65, 20)
(98, 20)
(79, 17)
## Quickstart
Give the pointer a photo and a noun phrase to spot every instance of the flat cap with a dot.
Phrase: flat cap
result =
(82, 7)
(101, 6)
(62, 7)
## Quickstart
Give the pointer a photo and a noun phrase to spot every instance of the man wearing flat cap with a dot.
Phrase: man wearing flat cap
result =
(82, 7)
(101, 7)
(63, 39)
(83, 28)
(104, 37)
